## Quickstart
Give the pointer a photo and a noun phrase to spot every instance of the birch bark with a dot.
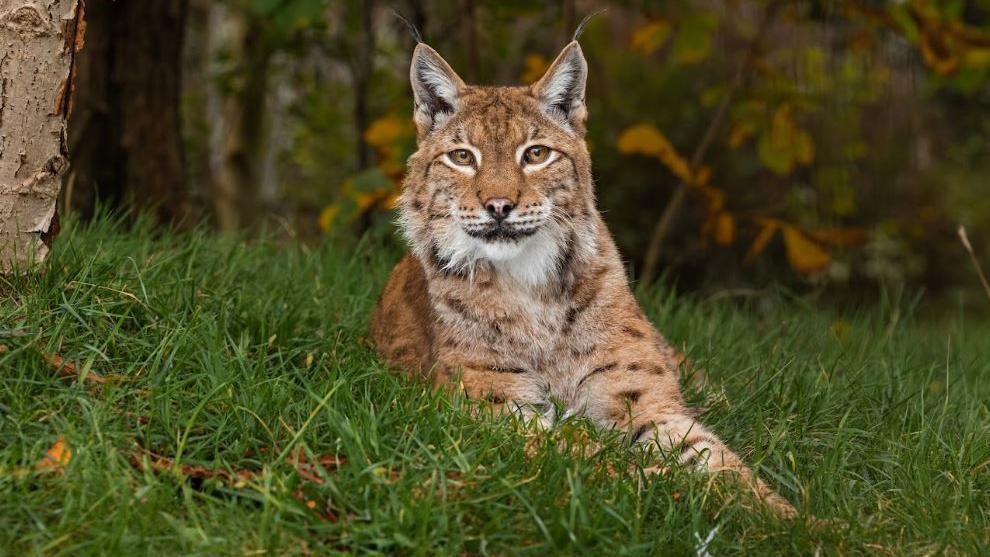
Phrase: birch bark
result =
(38, 44)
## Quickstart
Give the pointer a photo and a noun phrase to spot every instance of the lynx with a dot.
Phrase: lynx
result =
(514, 287)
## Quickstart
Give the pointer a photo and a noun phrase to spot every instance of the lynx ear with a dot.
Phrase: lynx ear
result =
(561, 90)
(436, 89)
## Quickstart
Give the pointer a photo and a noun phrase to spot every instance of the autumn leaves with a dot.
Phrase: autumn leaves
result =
(806, 253)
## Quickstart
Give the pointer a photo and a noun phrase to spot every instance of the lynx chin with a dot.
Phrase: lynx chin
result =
(514, 286)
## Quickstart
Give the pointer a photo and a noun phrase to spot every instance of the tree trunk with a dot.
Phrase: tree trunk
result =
(248, 126)
(278, 134)
(236, 104)
(226, 37)
(361, 70)
(127, 144)
(38, 44)
(473, 70)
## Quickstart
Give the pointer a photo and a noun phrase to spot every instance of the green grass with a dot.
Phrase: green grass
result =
(874, 421)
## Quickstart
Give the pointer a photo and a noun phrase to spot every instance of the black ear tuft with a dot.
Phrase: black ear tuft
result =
(584, 23)
(409, 25)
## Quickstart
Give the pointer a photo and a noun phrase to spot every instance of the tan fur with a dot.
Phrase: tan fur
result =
(545, 320)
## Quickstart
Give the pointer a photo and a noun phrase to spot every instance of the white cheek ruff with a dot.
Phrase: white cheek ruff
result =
(530, 261)
(534, 259)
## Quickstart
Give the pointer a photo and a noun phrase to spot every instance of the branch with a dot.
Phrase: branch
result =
(662, 227)
(972, 255)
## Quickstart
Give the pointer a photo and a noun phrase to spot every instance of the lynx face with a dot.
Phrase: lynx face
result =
(501, 174)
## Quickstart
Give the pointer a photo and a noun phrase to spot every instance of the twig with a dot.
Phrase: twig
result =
(972, 255)
(662, 227)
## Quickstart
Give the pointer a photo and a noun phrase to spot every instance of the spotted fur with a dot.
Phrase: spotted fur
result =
(535, 309)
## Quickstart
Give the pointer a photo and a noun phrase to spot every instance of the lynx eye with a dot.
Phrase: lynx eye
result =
(536, 154)
(462, 157)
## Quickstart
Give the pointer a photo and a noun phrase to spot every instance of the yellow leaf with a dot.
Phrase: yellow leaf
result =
(782, 128)
(365, 200)
(978, 57)
(694, 38)
(702, 175)
(327, 216)
(740, 132)
(804, 148)
(644, 139)
(56, 459)
(715, 197)
(712, 95)
(393, 168)
(534, 66)
(937, 54)
(767, 231)
(804, 255)
(785, 145)
(385, 131)
(725, 229)
(648, 38)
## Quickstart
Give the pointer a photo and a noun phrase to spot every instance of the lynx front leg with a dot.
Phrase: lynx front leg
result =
(692, 444)
(646, 402)
(507, 389)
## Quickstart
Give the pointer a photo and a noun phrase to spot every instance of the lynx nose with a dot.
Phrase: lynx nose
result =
(499, 207)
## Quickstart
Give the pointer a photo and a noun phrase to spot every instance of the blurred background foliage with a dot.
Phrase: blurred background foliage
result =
(832, 144)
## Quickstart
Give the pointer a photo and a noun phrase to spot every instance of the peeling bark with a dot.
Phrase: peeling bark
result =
(38, 45)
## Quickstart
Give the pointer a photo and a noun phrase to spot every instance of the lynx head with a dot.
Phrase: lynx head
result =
(501, 175)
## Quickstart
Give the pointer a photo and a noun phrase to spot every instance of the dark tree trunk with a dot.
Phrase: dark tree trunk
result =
(473, 70)
(126, 143)
(361, 68)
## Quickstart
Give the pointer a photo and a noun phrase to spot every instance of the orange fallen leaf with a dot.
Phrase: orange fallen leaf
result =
(308, 470)
(56, 458)
(144, 461)
(68, 369)
(158, 463)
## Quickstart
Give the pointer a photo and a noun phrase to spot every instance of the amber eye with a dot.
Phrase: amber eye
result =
(462, 157)
(536, 154)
